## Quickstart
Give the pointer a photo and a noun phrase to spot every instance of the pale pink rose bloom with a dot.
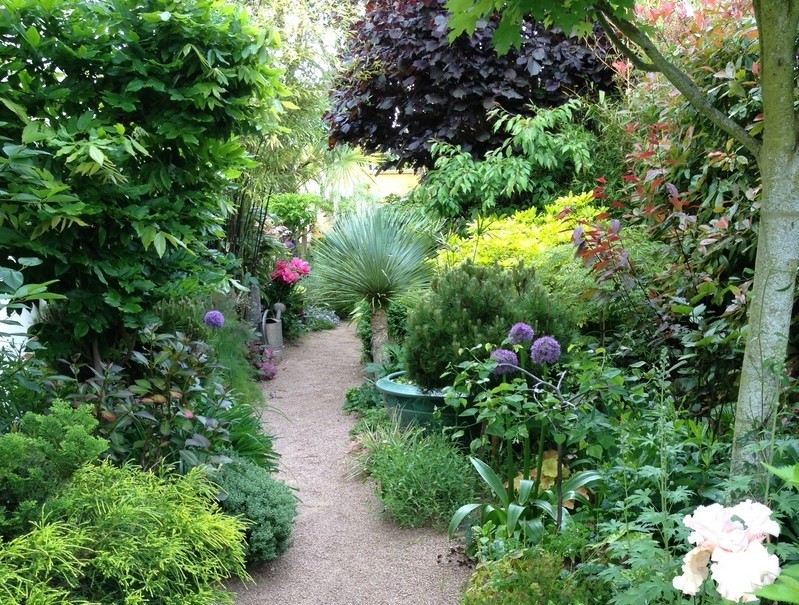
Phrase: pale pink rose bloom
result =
(757, 518)
(738, 574)
(695, 571)
(714, 527)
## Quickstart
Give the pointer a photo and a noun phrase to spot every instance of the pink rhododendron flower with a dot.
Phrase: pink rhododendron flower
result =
(300, 266)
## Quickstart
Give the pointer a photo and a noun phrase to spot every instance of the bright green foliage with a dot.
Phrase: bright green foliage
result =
(267, 506)
(541, 154)
(531, 577)
(297, 211)
(570, 16)
(150, 539)
(522, 236)
(420, 478)
(39, 455)
(470, 305)
(118, 121)
(40, 566)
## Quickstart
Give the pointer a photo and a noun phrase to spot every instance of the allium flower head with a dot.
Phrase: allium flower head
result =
(545, 350)
(505, 359)
(520, 333)
(214, 319)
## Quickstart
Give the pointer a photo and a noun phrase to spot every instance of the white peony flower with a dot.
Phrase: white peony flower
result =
(695, 571)
(738, 574)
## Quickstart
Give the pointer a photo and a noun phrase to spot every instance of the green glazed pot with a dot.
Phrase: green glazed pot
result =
(410, 405)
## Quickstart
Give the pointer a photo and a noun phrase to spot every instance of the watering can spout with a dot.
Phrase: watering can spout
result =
(279, 309)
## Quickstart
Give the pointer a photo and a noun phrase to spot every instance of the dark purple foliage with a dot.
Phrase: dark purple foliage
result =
(404, 84)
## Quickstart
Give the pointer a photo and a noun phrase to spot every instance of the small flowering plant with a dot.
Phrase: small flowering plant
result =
(730, 539)
(288, 272)
(214, 319)
(263, 360)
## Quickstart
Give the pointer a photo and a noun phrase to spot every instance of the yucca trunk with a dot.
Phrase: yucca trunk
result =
(379, 323)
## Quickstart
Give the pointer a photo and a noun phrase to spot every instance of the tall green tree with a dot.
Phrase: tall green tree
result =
(119, 126)
(776, 152)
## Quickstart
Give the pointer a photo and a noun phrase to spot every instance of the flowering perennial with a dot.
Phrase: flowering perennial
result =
(732, 538)
(520, 333)
(545, 350)
(214, 319)
(505, 359)
(289, 272)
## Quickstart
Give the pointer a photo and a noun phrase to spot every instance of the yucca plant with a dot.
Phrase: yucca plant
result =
(376, 255)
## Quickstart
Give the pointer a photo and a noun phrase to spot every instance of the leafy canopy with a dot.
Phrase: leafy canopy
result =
(118, 125)
(405, 83)
(569, 16)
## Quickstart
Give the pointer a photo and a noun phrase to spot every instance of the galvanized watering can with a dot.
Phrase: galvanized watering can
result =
(272, 329)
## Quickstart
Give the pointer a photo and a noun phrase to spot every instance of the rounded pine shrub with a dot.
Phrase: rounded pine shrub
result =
(268, 505)
(470, 305)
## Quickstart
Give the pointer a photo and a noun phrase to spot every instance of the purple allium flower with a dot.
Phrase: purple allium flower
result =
(520, 333)
(214, 319)
(545, 350)
(288, 244)
(505, 359)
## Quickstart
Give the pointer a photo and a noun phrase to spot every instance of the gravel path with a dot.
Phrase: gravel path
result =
(344, 552)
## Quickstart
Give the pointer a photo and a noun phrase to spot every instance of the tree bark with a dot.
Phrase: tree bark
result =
(771, 305)
(379, 324)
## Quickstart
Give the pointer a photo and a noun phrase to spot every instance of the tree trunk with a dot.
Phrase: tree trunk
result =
(379, 322)
(771, 305)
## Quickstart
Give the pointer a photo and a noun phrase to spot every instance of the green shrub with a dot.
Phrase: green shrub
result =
(41, 566)
(143, 539)
(362, 398)
(530, 577)
(39, 456)
(420, 478)
(523, 236)
(469, 305)
(269, 506)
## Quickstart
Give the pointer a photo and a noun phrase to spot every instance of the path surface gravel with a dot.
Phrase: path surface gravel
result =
(344, 552)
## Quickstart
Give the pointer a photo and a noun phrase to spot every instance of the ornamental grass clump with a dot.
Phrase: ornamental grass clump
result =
(469, 305)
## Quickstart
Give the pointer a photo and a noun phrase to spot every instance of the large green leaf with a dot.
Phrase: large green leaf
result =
(492, 480)
(460, 514)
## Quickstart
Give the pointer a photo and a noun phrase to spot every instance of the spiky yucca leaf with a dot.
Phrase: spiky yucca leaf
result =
(375, 254)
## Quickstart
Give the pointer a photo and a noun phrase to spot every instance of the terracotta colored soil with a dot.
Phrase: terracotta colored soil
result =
(345, 552)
